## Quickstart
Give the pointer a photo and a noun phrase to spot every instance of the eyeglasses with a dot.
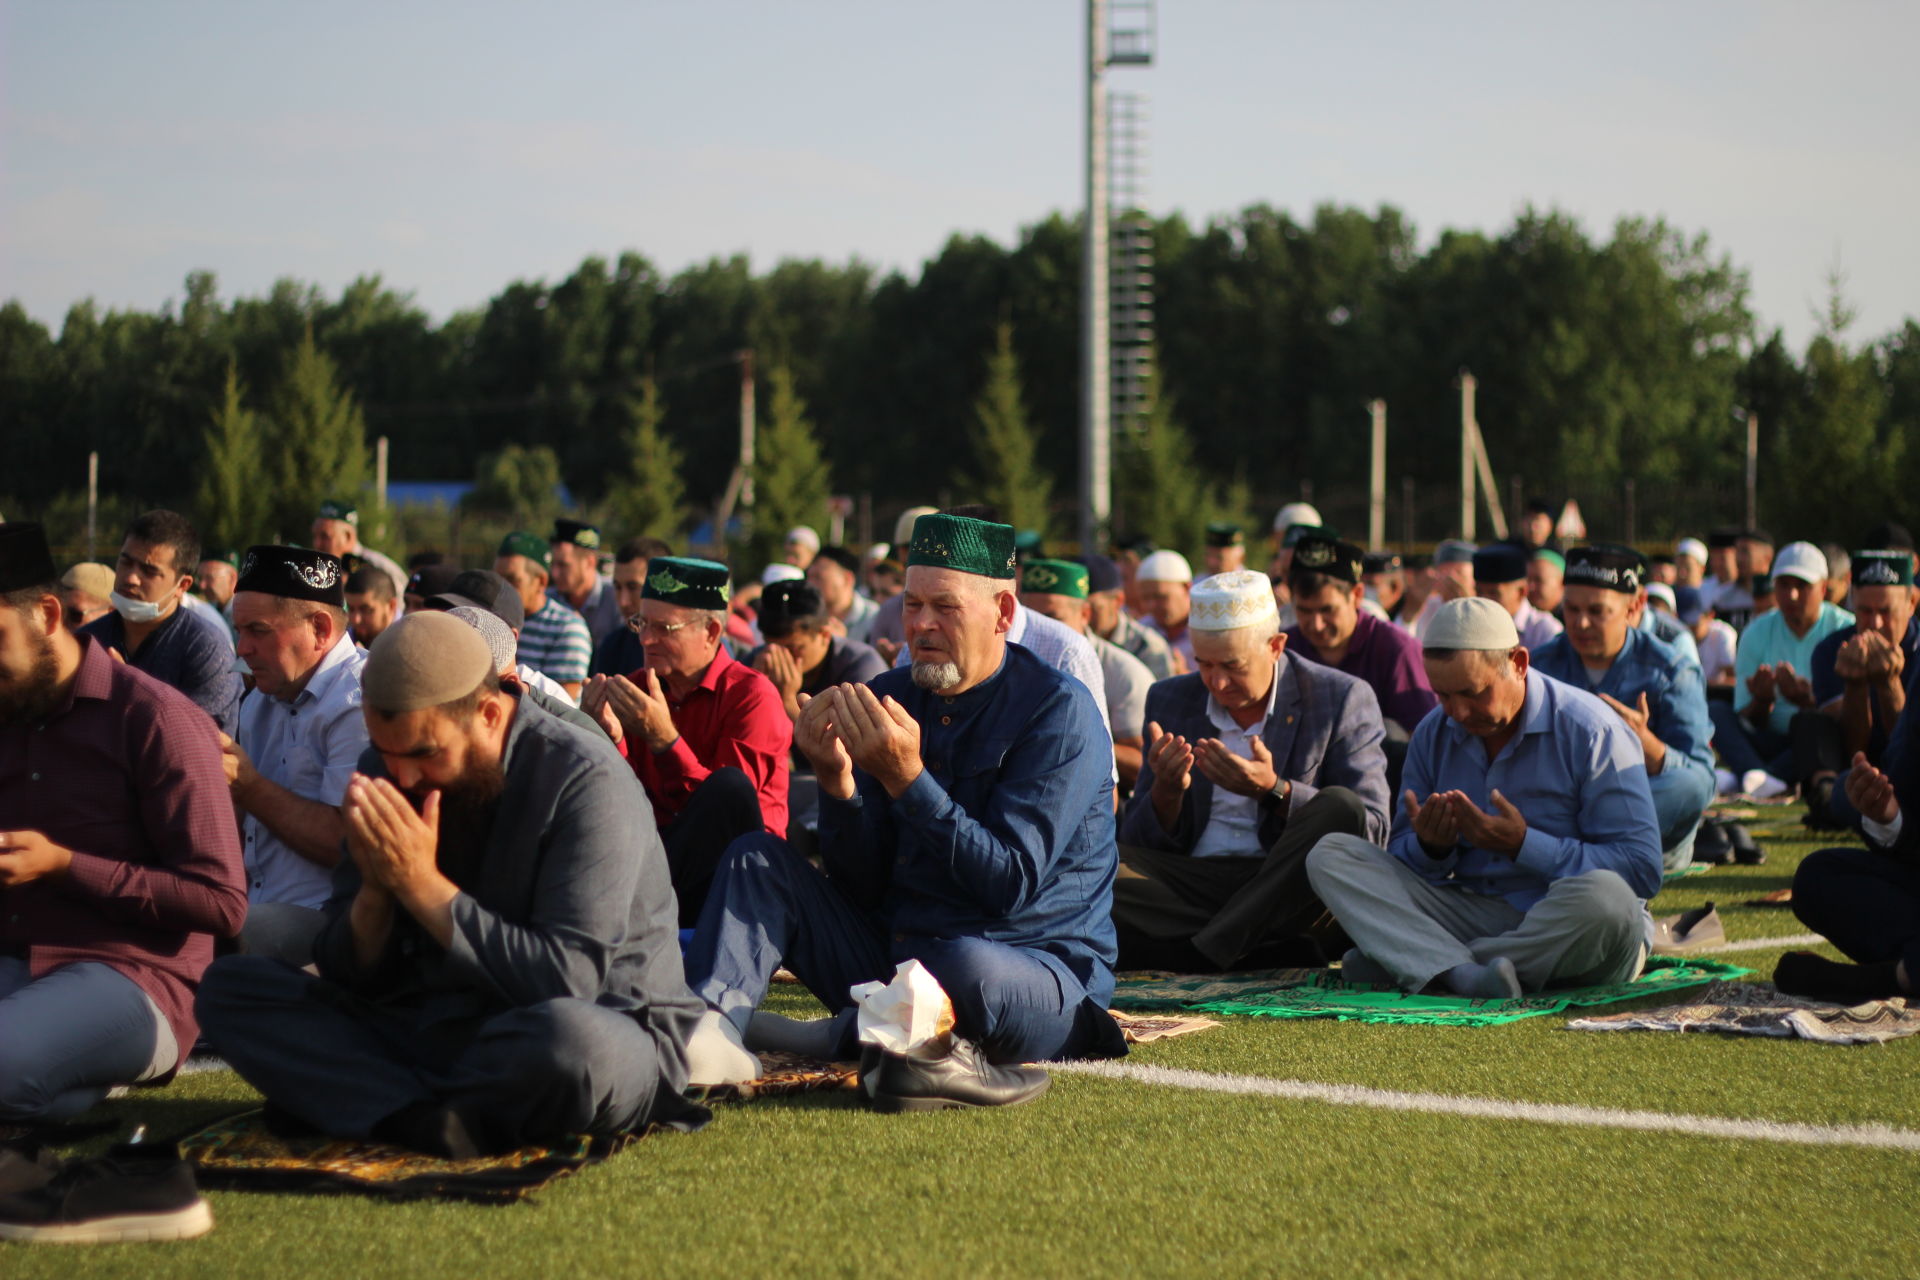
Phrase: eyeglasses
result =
(665, 630)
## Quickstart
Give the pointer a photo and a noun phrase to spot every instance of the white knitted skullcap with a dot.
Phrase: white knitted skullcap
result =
(1296, 513)
(781, 573)
(1471, 623)
(1231, 600)
(1165, 566)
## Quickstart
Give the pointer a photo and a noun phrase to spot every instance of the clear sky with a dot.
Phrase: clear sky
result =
(453, 147)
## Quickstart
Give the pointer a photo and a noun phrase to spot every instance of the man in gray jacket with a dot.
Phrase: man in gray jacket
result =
(499, 965)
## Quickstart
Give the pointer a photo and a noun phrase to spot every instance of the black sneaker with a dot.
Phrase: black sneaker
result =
(119, 1198)
(26, 1166)
(962, 1077)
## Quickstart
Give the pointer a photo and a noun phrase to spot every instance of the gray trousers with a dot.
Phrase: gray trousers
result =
(342, 1064)
(1590, 928)
(68, 1037)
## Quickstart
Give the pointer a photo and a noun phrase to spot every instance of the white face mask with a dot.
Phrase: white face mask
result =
(135, 611)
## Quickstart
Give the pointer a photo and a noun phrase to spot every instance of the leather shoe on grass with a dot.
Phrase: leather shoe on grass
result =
(960, 1078)
(123, 1197)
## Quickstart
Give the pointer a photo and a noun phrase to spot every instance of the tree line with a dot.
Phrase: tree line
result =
(1602, 365)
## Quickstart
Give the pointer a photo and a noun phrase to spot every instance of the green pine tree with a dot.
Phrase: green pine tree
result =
(236, 496)
(321, 437)
(651, 499)
(1008, 473)
(1159, 490)
(790, 477)
(519, 483)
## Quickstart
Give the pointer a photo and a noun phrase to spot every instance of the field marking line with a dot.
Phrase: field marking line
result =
(1758, 944)
(1349, 1095)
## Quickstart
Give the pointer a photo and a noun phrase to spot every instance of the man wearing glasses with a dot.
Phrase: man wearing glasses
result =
(706, 735)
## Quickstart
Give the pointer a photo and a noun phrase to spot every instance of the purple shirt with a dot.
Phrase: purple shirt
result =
(127, 774)
(1387, 658)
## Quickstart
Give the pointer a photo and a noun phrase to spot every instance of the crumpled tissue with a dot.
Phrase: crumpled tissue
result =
(911, 1014)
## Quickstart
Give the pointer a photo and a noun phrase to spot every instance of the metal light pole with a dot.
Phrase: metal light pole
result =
(1096, 480)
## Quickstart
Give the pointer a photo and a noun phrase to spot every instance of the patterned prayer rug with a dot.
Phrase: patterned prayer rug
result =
(1748, 1009)
(1319, 993)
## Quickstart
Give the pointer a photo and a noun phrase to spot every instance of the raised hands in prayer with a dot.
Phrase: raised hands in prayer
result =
(1871, 792)
(1219, 764)
(1868, 658)
(1171, 758)
(880, 736)
(1639, 719)
(818, 738)
(783, 669)
(1793, 686)
(636, 710)
(1449, 818)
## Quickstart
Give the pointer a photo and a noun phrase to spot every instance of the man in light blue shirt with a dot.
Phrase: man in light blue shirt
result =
(1526, 844)
(1655, 691)
(1773, 674)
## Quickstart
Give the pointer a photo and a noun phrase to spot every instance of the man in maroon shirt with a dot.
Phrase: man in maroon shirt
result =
(707, 736)
(119, 861)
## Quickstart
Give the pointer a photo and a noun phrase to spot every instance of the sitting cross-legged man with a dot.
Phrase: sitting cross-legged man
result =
(1526, 844)
(1250, 761)
(1866, 901)
(1653, 689)
(965, 822)
(499, 966)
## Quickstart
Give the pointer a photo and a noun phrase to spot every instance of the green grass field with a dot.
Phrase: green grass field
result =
(1109, 1177)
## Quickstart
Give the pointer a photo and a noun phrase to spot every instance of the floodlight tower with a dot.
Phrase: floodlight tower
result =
(1119, 33)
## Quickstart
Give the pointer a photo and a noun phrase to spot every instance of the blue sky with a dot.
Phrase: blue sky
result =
(451, 148)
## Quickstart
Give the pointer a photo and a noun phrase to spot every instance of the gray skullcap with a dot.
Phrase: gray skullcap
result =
(495, 631)
(424, 660)
(1471, 623)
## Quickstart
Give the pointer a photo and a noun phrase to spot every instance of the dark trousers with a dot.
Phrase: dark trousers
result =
(342, 1064)
(720, 811)
(1231, 908)
(769, 907)
(1743, 745)
(1865, 903)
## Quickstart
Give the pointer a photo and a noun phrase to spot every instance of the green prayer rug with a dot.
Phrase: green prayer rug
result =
(1319, 993)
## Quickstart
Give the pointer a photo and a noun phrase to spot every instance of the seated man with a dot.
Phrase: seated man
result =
(1058, 589)
(1385, 580)
(86, 590)
(1500, 575)
(1861, 677)
(1526, 843)
(300, 736)
(1108, 618)
(1164, 585)
(1449, 577)
(499, 966)
(1335, 631)
(966, 822)
(705, 734)
(1753, 734)
(336, 533)
(621, 651)
(1250, 761)
(150, 627)
(1226, 548)
(1663, 624)
(577, 581)
(370, 605)
(119, 865)
(1713, 639)
(1652, 688)
(553, 639)
(802, 655)
(835, 574)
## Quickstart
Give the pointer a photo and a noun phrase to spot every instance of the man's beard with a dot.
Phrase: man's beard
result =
(33, 697)
(478, 788)
(936, 677)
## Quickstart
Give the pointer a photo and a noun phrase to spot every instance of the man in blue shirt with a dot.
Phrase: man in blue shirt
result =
(150, 628)
(1654, 690)
(966, 821)
(1526, 844)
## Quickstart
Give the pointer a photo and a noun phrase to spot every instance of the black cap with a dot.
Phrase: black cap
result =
(1499, 562)
(1102, 574)
(1225, 535)
(482, 589)
(1379, 562)
(1612, 568)
(25, 560)
(1889, 535)
(578, 532)
(1756, 535)
(293, 573)
(786, 604)
(1318, 552)
(1724, 539)
(432, 579)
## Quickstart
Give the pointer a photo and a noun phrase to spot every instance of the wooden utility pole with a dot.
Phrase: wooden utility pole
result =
(1467, 503)
(740, 485)
(1753, 470)
(1377, 484)
(93, 503)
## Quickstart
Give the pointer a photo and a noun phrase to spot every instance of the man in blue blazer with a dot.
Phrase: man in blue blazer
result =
(1250, 761)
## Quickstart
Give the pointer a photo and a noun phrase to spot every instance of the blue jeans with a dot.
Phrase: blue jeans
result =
(768, 906)
(1681, 795)
(67, 1037)
(1743, 745)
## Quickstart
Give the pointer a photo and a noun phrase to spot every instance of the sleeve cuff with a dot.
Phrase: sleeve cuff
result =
(1539, 853)
(1880, 833)
(921, 800)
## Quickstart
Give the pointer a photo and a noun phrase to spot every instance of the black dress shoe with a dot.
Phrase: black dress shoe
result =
(1745, 851)
(961, 1078)
(1712, 845)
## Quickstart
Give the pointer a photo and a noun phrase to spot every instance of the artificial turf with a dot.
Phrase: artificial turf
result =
(1104, 1177)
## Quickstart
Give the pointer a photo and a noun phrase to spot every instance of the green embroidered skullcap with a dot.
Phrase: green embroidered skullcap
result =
(1295, 532)
(1552, 557)
(335, 509)
(1883, 568)
(1225, 535)
(691, 584)
(941, 541)
(578, 532)
(1055, 578)
(531, 545)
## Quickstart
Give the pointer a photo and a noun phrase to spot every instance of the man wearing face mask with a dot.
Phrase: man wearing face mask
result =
(149, 628)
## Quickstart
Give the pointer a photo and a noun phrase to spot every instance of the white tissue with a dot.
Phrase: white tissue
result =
(906, 1015)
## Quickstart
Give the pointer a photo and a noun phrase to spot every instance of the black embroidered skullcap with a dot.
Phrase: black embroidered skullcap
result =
(482, 589)
(25, 560)
(1723, 539)
(1888, 568)
(1611, 568)
(294, 573)
(1379, 562)
(1319, 552)
(1225, 535)
(786, 605)
(431, 579)
(1499, 562)
(1102, 574)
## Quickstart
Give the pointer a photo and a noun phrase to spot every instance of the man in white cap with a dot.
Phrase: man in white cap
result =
(1773, 676)
(1689, 562)
(1164, 584)
(803, 544)
(1526, 843)
(1250, 761)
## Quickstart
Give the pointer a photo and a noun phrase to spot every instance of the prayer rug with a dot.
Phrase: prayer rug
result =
(1752, 1010)
(242, 1153)
(1146, 1028)
(1691, 869)
(1319, 993)
(785, 1074)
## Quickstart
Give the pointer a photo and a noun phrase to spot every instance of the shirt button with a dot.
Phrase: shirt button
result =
(36, 777)
(946, 719)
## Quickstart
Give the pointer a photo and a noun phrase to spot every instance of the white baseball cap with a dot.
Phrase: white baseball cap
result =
(1800, 560)
(1691, 547)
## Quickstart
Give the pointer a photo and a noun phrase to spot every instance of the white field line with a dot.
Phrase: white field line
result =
(1348, 1095)
(1759, 944)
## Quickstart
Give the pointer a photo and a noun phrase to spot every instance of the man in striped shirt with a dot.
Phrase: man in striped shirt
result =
(554, 639)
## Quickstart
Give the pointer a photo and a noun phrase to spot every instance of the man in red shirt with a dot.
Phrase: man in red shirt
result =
(706, 735)
(119, 858)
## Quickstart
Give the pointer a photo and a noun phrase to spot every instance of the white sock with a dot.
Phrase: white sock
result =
(715, 1054)
(1762, 785)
